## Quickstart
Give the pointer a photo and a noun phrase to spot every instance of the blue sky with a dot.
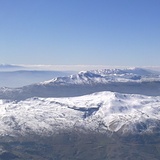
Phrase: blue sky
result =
(86, 32)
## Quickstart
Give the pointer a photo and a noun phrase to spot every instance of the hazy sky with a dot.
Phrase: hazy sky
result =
(93, 32)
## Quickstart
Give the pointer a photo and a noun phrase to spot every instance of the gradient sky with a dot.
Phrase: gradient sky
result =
(88, 32)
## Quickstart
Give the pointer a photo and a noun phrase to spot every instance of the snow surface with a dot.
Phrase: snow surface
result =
(99, 112)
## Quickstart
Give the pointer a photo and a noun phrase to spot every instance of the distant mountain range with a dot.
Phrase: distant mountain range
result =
(108, 75)
(131, 81)
(10, 66)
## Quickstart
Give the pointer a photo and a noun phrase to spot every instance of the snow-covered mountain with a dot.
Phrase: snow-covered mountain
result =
(130, 81)
(107, 75)
(99, 112)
